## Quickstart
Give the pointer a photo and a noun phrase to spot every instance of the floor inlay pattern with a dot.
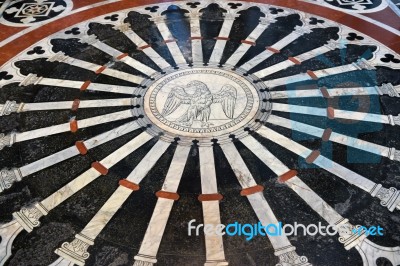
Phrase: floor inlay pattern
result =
(119, 130)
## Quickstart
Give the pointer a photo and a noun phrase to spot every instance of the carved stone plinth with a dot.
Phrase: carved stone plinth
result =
(31, 79)
(9, 177)
(394, 120)
(76, 251)
(6, 140)
(288, 257)
(29, 217)
(9, 107)
(390, 197)
(350, 235)
(388, 89)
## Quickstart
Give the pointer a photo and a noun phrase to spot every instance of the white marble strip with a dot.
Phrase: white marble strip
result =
(321, 161)
(139, 42)
(104, 215)
(171, 43)
(70, 152)
(244, 47)
(335, 137)
(73, 84)
(288, 63)
(211, 212)
(257, 200)
(155, 230)
(219, 47)
(94, 67)
(127, 59)
(148, 162)
(29, 107)
(267, 53)
(317, 93)
(47, 131)
(197, 49)
(306, 193)
(90, 175)
(304, 76)
(343, 114)
(238, 166)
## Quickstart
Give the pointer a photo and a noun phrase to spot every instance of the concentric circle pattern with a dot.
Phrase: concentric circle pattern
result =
(121, 130)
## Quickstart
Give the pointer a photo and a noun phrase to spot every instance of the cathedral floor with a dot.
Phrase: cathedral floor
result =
(147, 132)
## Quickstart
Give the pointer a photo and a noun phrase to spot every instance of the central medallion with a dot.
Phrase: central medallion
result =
(201, 102)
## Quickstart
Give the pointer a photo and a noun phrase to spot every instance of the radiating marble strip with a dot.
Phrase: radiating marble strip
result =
(33, 79)
(318, 93)
(123, 57)
(211, 213)
(86, 237)
(93, 121)
(368, 250)
(28, 217)
(155, 230)
(317, 74)
(249, 41)
(30, 107)
(195, 37)
(169, 40)
(63, 155)
(390, 198)
(276, 47)
(61, 57)
(334, 113)
(298, 59)
(222, 38)
(143, 46)
(281, 243)
(336, 137)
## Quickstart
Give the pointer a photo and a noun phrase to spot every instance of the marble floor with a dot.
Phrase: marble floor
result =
(124, 120)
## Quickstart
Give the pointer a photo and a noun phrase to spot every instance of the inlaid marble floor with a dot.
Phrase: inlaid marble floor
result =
(122, 121)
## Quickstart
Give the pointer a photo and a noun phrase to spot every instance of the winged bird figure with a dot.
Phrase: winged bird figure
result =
(199, 102)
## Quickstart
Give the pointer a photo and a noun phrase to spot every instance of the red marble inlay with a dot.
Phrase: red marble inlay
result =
(330, 112)
(73, 125)
(101, 69)
(196, 38)
(327, 134)
(75, 105)
(121, 56)
(210, 197)
(251, 190)
(248, 42)
(312, 74)
(276, 51)
(85, 85)
(128, 184)
(286, 176)
(294, 60)
(313, 156)
(222, 38)
(100, 168)
(167, 195)
(144, 47)
(325, 92)
(80, 145)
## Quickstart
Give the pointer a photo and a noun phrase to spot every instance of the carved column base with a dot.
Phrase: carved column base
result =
(288, 257)
(350, 235)
(6, 140)
(8, 177)
(370, 252)
(28, 217)
(76, 251)
(144, 260)
(216, 263)
(390, 197)
(8, 232)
